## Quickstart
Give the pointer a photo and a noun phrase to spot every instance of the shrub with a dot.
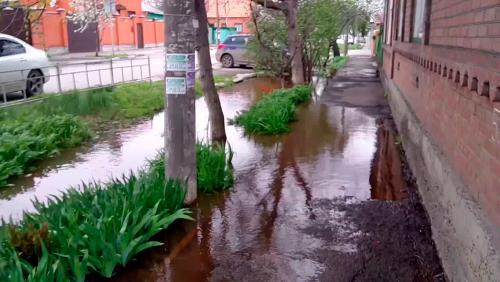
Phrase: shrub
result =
(91, 230)
(272, 114)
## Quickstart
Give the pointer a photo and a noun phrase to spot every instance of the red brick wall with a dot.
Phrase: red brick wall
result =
(231, 22)
(457, 96)
(467, 24)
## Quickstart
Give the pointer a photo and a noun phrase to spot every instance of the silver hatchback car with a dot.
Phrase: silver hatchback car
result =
(233, 51)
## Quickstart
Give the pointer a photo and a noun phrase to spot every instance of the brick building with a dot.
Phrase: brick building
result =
(230, 14)
(441, 68)
(132, 27)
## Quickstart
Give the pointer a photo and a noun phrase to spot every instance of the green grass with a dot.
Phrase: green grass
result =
(90, 231)
(273, 113)
(355, 46)
(221, 81)
(25, 140)
(336, 64)
(127, 101)
(214, 172)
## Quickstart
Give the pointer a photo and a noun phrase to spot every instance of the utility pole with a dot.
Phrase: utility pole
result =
(180, 123)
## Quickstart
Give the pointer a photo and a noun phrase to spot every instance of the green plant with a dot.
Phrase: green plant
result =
(214, 172)
(93, 229)
(272, 114)
(32, 137)
(336, 64)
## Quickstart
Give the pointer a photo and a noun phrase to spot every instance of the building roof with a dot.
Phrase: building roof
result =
(151, 9)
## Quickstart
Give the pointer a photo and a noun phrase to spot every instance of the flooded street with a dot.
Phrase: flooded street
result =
(331, 201)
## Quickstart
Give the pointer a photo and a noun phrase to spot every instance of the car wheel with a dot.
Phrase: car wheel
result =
(34, 83)
(227, 61)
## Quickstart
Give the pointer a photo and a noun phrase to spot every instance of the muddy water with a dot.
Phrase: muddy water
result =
(117, 152)
(260, 230)
(255, 231)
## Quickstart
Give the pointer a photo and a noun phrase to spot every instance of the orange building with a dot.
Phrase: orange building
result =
(130, 28)
(230, 14)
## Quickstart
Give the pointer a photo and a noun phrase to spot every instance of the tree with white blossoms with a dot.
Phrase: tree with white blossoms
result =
(86, 13)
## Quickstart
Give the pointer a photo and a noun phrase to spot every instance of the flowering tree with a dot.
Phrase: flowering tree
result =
(86, 13)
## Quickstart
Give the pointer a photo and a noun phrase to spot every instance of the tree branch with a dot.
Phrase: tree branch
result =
(278, 5)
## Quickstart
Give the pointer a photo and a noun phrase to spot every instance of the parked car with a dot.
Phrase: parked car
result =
(22, 67)
(234, 51)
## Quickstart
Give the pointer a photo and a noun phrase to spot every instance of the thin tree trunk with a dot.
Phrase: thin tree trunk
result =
(335, 48)
(217, 126)
(346, 41)
(294, 43)
(98, 41)
(180, 119)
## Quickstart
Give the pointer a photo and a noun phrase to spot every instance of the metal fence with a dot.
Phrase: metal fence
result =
(63, 78)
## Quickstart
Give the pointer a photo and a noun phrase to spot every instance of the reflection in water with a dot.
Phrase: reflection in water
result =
(386, 177)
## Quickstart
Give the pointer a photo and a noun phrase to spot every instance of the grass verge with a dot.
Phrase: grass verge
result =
(272, 114)
(221, 81)
(92, 230)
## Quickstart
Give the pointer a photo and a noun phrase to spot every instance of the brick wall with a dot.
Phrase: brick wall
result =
(452, 86)
(466, 24)
(457, 98)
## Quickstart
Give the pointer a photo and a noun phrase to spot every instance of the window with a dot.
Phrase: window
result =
(388, 21)
(239, 27)
(236, 40)
(9, 48)
(401, 24)
(419, 21)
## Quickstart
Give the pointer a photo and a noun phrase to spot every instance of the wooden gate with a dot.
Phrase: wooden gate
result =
(12, 23)
(85, 41)
(140, 36)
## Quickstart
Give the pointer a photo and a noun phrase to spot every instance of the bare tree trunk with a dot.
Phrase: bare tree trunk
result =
(294, 43)
(335, 48)
(98, 41)
(217, 124)
(180, 123)
(346, 41)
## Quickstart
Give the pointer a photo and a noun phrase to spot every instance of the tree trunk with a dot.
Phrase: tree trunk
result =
(98, 41)
(180, 122)
(335, 48)
(294, 43)
(346, 41)
(217, 124)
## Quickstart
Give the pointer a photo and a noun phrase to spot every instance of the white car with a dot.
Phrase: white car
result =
(22, 67)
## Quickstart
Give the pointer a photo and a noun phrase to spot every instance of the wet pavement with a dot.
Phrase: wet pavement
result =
(333, 200)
